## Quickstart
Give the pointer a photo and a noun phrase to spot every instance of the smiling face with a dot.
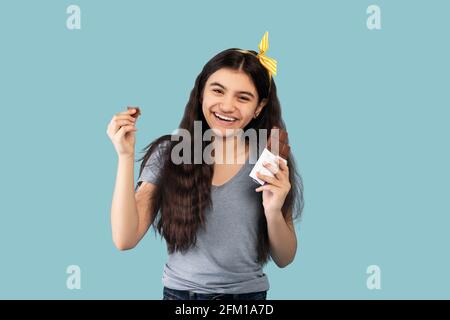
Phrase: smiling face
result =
(230, 101)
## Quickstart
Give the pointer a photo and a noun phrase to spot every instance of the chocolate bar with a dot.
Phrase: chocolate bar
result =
(137, 113)
(283, 147)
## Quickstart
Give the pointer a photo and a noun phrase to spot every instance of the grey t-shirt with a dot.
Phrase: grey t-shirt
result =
(224, 259)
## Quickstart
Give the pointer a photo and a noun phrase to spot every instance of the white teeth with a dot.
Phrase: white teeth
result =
(223, 117)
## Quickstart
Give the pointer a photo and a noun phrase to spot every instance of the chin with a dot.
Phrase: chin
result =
(224, 132)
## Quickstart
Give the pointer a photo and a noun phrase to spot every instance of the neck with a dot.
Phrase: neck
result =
(229, 150)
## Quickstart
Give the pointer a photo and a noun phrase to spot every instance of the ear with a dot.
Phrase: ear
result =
(261, 105)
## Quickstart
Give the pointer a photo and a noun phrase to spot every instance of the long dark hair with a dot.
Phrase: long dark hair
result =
(183, 191)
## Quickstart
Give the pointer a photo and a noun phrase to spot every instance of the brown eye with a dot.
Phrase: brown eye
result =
(217, 90)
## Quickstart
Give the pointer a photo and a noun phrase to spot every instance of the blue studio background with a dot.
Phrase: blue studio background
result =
(367, 113)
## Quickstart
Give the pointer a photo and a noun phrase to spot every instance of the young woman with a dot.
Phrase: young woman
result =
(220, 226)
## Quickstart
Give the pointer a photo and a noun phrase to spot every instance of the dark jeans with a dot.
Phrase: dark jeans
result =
(172, 294)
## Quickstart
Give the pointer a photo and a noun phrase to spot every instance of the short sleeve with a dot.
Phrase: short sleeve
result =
(153, 166)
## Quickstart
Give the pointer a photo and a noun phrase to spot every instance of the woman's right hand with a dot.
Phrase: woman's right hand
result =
(122, 132)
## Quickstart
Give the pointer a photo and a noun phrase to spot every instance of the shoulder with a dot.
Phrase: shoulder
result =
(159, 144)
(155, 150)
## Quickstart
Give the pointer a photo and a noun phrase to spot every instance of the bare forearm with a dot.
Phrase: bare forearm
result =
(282, 239)
(124, 217)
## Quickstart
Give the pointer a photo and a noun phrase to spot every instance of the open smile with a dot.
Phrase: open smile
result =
(224, 120)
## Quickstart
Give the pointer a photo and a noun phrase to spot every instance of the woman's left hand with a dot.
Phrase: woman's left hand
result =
(275, 189)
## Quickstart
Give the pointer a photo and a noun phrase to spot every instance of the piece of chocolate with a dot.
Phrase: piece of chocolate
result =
(137, 113)
(283, 146)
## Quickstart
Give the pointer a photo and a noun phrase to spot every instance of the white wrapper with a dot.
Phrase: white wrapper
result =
(268, 156)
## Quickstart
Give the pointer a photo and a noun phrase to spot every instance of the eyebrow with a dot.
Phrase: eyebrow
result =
(223, 87)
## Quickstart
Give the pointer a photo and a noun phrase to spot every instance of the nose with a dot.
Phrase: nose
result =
(227, 106)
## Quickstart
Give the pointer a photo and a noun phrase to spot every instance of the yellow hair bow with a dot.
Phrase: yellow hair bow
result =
(269, 63)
